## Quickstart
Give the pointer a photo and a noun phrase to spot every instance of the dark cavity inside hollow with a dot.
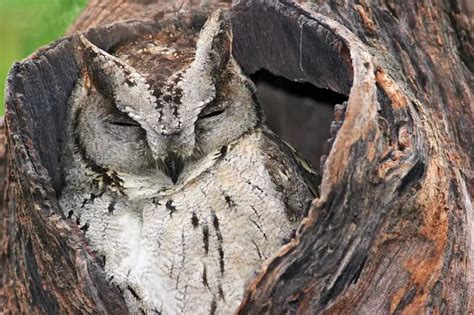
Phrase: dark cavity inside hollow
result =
(307, 71)
(300, 113)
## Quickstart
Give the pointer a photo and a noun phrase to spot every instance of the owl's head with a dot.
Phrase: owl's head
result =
(132, 124)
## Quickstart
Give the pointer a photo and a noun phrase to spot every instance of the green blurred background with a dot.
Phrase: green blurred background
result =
(26, 25)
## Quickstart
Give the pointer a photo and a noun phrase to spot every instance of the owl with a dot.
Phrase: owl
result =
(171, 173)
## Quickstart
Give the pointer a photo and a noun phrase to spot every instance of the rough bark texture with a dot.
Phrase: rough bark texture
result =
(393, 230)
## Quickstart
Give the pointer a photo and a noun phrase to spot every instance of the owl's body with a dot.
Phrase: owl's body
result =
(183, 192)
(192, 248)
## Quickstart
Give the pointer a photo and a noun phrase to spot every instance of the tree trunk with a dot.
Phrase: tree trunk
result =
(393, 228)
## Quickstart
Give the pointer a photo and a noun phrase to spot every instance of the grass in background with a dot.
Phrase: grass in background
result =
(26, 25)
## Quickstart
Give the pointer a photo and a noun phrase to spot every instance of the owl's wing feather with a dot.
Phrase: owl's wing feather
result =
(291, 173)
(310, 175)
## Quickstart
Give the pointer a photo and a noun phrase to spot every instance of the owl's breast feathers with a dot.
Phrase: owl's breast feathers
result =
(190, 247)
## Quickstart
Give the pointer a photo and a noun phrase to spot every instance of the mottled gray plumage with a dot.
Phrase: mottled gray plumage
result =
(176, 181)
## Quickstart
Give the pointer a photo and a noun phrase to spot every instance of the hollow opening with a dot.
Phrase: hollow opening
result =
(300, 113)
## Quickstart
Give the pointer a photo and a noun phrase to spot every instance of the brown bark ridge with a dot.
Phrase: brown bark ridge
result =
(100, 12)
(392, 231)
(47, 267)
(393, 228)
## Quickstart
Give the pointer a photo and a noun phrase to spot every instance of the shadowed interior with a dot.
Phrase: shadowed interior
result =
(300, 113)
(308, 71)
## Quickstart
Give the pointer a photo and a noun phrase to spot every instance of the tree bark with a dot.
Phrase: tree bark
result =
(393, 228)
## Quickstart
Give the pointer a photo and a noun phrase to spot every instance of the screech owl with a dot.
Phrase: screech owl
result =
(172, 173)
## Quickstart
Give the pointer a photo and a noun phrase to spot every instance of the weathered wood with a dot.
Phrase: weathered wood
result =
(47, 266)
(393, 230)
(99, 12)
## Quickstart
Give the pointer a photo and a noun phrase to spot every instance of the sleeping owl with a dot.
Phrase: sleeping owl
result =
(172, 174)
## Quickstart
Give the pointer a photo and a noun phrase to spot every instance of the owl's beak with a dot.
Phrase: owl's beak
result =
(173, 166)
(165, 150)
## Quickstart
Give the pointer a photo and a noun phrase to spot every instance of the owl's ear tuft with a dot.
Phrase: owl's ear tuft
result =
(213, 52)
(213, 48)
(113, 78)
